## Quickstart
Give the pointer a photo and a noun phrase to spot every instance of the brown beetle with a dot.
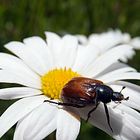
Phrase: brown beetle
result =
(80, 92)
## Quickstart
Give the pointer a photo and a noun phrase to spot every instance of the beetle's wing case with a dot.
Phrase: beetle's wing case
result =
(80, 90)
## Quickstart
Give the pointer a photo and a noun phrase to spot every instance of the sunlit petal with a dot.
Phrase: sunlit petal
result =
(18, 92)
(18, 110)
(68, 126)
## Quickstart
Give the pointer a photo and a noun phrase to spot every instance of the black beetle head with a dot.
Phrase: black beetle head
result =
(117, 96)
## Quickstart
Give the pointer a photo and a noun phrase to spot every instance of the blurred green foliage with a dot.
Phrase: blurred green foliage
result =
(20, 19)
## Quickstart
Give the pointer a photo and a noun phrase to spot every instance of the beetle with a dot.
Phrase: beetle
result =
(81, 92)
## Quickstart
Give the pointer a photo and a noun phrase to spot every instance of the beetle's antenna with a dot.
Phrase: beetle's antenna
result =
(107, 116)
(122, 89)
(127, 98)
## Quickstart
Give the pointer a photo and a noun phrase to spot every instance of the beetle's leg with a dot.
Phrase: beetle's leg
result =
(65, 104)
(107, 116)
(89, 113)
(117, 102)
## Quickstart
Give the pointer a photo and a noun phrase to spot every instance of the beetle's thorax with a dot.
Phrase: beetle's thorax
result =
(104, 93)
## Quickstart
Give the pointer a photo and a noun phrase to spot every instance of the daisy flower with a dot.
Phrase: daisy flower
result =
(42, 68)
(107, 40)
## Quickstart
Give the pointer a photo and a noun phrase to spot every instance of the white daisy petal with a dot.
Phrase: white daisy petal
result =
(113, 67)
(108, 58)
(16, 66)
(18, 92)
(85, 56)
(128, 85)
(44, 122)
(18, 110)
(82, 39)
(39, 46)
(68, 126)
(128, 113)
(120, 76)
(135, 42)
(48, 129)
(129, 56)
(69, 51)
(7, 76)
(109, 39)
(62, 48)
(121, 125)
(40, 123)
(55, 46)
(50, 37)
(129, 131)
(119, 71)
(20, 128)
(27, 55)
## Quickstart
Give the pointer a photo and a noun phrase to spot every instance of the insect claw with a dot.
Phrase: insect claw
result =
(87, 119)
(127, 98)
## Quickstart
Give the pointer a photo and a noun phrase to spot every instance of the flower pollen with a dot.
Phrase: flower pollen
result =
(54, 81)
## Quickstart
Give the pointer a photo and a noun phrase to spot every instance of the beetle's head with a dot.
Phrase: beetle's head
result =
(118, 96)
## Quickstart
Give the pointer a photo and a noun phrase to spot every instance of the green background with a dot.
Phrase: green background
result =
(24, 18)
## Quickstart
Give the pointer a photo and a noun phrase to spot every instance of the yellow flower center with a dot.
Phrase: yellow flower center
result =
(54, 81)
